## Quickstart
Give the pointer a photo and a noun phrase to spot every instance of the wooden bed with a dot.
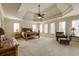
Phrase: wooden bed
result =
(28, 33)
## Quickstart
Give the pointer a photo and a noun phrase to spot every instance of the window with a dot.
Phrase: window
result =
(62, 26)
(46, 28)
(75, 24)
(34, 27)
(16, 27)
(52, 28)
(41, 27)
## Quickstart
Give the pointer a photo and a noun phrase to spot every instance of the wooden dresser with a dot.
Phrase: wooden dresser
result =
(10, 51)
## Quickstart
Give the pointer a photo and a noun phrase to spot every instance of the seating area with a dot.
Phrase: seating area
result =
(62, 39)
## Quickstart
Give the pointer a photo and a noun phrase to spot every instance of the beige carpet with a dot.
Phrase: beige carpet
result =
(47, 47)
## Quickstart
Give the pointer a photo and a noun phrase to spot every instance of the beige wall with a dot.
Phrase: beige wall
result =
(9, 26)
(0, 21)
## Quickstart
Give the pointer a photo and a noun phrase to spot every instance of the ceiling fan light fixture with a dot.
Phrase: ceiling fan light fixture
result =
(39, 17)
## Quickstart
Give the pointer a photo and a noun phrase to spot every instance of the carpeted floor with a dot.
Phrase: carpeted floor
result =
(47, 47)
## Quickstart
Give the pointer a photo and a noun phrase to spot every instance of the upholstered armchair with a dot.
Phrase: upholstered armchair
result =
(60, 35)
(1, 32)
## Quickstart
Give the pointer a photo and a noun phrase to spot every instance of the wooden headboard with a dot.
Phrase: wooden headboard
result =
(26, 30)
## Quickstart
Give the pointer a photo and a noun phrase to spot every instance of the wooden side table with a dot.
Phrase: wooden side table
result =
(17, 35)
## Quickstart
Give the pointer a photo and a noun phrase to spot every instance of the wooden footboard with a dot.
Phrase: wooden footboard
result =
(32, 34)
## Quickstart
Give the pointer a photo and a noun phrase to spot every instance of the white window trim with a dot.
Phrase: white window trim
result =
(41, 28)
(65, 27)
(17, 29)
(45, 29)
(52, 32)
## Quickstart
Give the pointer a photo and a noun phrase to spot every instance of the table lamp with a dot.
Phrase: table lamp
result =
(73, 29)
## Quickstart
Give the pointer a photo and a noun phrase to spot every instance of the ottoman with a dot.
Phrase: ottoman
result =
(64, 41)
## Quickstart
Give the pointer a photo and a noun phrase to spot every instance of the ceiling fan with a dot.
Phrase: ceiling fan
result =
(39, 15)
